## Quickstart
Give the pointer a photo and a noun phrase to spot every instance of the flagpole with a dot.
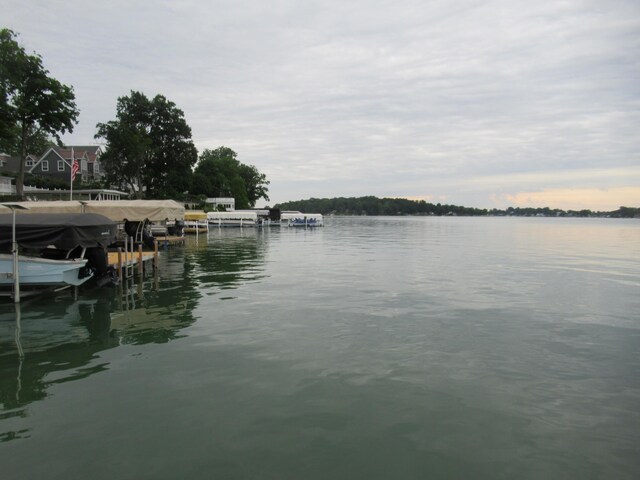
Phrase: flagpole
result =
(71, 176)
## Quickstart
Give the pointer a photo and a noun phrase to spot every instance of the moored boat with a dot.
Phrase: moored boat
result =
(56, 249)
(244, 218)
(35, 271)
(195, 221)
(161, 215)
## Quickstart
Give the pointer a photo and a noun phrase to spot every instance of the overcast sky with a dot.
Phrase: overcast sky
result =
(479, 103)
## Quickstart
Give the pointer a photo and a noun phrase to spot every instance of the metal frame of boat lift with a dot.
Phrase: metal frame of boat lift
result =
(14, 249)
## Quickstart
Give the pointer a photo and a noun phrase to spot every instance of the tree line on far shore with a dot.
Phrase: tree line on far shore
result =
(372, 205)
(149, 150)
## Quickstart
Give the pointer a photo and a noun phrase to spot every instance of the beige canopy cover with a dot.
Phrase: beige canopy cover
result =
(58, 206)
(116, 210)
(137, 210)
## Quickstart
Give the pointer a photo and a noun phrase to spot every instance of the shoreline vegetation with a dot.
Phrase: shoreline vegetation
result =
(372, 206)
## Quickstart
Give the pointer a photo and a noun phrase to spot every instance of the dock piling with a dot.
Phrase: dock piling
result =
(140, 263)
(120, 264)
(155, 254)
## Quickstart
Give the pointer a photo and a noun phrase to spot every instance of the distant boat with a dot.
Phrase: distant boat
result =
(297, 219)
(57, 249)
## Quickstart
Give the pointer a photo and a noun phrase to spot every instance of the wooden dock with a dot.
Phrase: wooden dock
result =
(129, 258)
(125, 262)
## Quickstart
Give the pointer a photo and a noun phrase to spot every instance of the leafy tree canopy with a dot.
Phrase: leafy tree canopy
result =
(33, 105)
(220, 174)
(377, 206)
(149, 147)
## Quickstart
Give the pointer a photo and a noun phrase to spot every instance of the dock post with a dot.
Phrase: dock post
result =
(120, 264)
(155, 254)
(140, 265)
(125, 265)
(156, 280)
(131, 260)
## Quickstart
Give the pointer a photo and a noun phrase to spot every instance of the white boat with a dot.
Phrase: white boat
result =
(35, 271)
(298, 219)
(245, 218)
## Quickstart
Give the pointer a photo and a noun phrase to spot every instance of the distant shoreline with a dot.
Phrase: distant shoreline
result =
(374, 206)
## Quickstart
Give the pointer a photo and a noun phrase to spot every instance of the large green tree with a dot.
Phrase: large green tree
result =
(33, 105)
(220, 174)
(149, 147)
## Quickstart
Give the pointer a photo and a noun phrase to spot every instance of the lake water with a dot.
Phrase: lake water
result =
(372, 348)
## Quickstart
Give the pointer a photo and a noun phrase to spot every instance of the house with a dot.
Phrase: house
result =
(228, 203)
(11, 164)
(56, 162)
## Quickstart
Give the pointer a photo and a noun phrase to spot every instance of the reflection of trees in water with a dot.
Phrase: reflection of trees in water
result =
(154, 315)
(232, 257)
(51, 341)
(47, 342)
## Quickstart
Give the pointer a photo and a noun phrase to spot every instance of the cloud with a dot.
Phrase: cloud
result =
(459, 98)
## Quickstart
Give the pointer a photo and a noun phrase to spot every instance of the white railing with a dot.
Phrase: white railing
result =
(11, 189)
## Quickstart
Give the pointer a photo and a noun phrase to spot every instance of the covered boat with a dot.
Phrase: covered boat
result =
(116, 210)
(140, 217)
(137, 210)
(195, 221)
(56, 247)
(237, 218)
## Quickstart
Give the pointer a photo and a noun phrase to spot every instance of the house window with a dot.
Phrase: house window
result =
(96, 168)
(45, 166)
(29, 162)
(61, 165)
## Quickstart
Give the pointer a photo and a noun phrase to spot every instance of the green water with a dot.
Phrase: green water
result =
(373, 348)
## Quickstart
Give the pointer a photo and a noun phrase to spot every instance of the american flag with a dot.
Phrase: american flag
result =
(75, 168)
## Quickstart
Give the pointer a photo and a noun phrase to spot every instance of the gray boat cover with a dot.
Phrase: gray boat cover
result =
(64, 231)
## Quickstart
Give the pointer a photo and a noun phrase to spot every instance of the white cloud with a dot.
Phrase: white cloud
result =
(456, 99)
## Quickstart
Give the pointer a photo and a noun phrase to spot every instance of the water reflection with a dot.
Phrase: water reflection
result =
(45, 342)
(228, 257)
(50, 341)
(376, 347)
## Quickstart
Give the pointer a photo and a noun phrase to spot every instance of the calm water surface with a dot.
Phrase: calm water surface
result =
(373, 348)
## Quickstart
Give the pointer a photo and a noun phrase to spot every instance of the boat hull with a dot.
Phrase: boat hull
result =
(43, 271)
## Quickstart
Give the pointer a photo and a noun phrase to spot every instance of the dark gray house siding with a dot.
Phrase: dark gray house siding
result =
(52, 165)
(56, 162)
(9, 164)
